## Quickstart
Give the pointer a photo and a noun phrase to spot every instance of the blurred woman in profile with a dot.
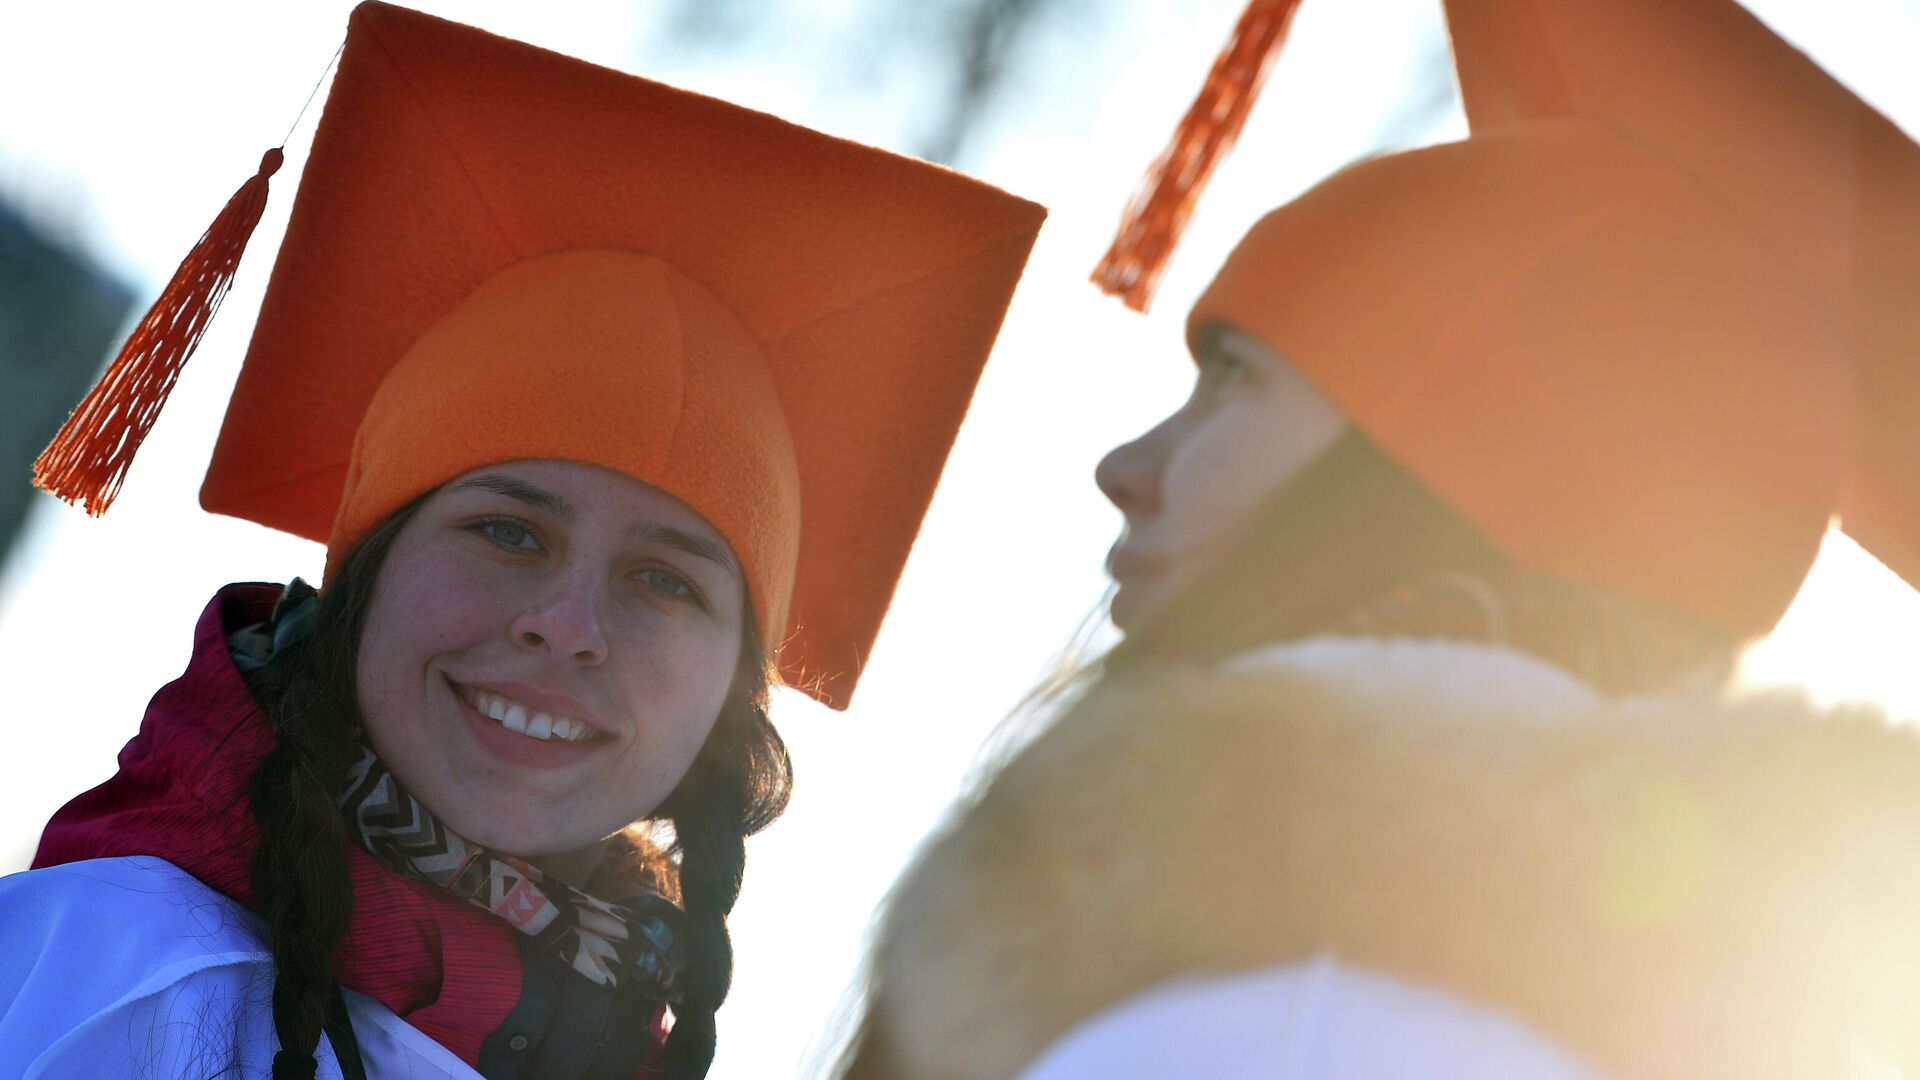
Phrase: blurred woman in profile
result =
(1418, 756)
(550, 360)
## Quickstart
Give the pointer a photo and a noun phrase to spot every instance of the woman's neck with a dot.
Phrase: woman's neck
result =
(573, 867)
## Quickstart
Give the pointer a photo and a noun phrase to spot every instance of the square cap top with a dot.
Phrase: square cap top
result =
(857, 290)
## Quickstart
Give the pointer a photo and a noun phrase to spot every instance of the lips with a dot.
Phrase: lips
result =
(1123, 564)
(1134, 574)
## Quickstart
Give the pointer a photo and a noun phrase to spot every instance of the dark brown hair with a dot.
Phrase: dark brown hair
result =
(739, 782)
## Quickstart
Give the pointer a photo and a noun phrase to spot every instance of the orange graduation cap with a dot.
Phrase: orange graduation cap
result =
(498, 252)
(1649, 327)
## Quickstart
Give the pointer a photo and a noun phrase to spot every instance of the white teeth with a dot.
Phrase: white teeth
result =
(535, 725)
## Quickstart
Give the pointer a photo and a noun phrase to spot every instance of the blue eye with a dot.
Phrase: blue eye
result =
(508, 533)
(668, 583)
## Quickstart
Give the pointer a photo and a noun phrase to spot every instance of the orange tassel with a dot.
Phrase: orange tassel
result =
(1154, 220)
(88, 459)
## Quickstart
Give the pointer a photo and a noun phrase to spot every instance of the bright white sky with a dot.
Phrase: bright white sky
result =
(126, 125)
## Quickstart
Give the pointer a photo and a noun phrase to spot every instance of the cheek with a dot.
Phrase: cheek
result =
(677, 683)
(424, 606)
(1236, 458)
(675, 688)
(1215, 475)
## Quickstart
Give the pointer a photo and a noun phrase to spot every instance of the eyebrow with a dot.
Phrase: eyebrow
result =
(664, 535)
(523, 491)
(679, 540)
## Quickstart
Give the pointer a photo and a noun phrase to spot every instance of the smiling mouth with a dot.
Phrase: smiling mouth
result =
(522, 720)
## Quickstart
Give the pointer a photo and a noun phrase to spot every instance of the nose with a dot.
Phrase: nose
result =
(566, 618)
(1129, 475)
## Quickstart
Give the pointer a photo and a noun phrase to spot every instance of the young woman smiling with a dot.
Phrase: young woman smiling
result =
(552, 359)
(1417, 756)
(506, 573)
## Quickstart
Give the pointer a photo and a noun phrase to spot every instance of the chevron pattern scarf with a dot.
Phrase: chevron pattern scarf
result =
(607, 943)
(634, 942)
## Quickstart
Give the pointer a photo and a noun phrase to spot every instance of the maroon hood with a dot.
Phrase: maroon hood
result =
(448, 968)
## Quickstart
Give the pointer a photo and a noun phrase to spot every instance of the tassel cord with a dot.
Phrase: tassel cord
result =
(1158, 214)
(89, 457)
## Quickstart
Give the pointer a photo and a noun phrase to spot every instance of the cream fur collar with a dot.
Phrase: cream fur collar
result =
(1674, 885)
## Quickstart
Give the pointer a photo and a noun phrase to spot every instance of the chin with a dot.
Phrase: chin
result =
(501, 830)
(1131, 607)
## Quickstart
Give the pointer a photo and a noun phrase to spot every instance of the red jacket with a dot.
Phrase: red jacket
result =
(456, 973)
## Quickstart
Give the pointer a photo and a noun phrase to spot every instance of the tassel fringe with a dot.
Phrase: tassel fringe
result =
(88, 459)
(1154, 220)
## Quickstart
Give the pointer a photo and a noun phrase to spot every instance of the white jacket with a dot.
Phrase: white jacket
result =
(1303, 1022)
(131, 967)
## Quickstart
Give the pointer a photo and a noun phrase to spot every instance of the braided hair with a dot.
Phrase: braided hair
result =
(739, 783)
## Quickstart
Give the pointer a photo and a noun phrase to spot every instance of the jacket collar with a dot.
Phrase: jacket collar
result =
(1456, 679)
(182, 794)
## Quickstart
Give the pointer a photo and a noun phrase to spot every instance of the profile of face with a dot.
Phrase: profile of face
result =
(548, 646)
(1187, 486)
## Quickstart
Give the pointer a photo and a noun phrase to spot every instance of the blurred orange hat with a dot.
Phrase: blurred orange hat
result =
(1648, 327)
(498, 252)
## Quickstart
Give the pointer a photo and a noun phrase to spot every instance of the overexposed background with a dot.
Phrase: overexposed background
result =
(125, 126)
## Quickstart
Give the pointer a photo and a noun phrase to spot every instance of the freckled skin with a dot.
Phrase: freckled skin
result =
(1251, 425)
(482, 586)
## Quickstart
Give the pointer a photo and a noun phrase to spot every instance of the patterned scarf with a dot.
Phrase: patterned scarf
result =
(610, 944)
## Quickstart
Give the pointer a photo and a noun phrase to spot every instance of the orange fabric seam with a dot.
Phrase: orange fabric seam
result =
(1711, 193)
(1448, 340)
(988, 246)
(680, 412)
(453, 155)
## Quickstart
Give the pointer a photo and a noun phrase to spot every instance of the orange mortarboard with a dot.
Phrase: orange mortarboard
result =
(498, 252)
(1625, 326)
